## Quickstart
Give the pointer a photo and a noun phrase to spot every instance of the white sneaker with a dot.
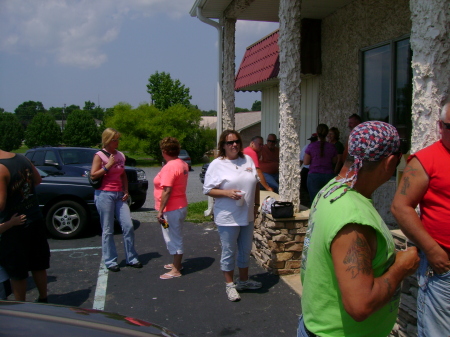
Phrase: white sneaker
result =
(232, 293)
(249, 284)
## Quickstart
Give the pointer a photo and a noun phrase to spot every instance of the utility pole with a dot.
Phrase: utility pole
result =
(62, 121)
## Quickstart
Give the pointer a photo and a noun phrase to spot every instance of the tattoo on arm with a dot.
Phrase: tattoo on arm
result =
(405, 185)
(358, 258)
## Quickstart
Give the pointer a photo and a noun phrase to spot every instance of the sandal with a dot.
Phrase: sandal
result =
(168, 276)
(170, 266)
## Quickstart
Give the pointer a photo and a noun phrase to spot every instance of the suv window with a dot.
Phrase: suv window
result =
(38, 158)
(50, 157)
(77, 156)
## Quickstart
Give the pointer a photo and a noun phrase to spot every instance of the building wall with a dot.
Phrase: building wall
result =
(360, 24)
(250, 132)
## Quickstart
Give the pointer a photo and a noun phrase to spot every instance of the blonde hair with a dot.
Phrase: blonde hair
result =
(108, 135)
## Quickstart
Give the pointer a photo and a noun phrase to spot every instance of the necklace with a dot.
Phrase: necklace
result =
(340, 176)
(231, 161)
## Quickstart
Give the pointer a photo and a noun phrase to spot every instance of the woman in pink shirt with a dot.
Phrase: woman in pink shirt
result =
(110, 199)
(171, 202)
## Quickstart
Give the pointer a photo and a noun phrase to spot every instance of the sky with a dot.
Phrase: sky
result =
(71, 51)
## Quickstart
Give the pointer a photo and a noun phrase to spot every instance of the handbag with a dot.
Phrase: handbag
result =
(96, 183)
(282, 209)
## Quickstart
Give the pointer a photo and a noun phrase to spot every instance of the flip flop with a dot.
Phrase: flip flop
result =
(169, 267)
(168, 276)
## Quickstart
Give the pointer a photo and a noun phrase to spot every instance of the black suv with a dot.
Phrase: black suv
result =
(77, 161)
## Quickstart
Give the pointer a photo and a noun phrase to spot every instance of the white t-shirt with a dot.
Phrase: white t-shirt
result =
(239, 174)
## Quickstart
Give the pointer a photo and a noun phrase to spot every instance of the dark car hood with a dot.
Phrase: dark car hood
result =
(65, 180)
(32, 319)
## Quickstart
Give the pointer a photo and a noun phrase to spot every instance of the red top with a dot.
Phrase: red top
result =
(252, 154)
(174, 174)
(434, 206)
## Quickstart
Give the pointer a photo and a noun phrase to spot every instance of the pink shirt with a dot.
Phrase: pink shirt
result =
(174, 174)
(112, 180)
(252, 154)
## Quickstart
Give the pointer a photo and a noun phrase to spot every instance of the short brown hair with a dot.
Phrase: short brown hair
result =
(171, 146)
(223, 139)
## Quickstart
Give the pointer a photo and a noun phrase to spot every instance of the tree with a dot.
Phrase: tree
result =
(142, 129)
(27, 111)
(43, 130)
(166, 92)
(256, 106)
(209, 113)
(237, 110)
(11, 131)
(81, 129)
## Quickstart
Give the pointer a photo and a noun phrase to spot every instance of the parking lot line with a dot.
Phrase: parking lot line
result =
(73, 249)
(100, 290)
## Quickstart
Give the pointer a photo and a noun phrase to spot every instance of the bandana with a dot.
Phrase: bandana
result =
(369, 141)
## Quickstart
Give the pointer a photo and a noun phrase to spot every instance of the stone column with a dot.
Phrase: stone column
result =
(430, 44)
(228, 72)
(289, 76)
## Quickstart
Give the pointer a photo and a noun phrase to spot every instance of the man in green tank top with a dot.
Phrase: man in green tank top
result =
(350, 271)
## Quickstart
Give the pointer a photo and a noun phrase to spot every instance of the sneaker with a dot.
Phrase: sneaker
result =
(232, 293)
(249, 284)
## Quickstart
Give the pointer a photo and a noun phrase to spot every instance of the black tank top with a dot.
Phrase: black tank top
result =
(21, 196)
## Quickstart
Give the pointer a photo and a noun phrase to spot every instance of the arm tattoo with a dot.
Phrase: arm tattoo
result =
(388, 285)
(358, 258)
(405, 185)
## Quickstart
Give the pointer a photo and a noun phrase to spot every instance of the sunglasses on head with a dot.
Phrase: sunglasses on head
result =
(231, 142)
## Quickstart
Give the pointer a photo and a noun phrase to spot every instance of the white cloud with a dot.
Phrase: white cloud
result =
(73, 32)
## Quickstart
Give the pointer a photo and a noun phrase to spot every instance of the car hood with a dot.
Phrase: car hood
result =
(33, 319)
(65, 180)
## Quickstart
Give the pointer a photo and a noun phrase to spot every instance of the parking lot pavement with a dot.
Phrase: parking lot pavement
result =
(192, 305)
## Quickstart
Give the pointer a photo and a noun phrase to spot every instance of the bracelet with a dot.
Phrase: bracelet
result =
(106, 170)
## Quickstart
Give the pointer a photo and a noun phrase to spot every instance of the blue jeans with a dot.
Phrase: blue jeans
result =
(235, 240)
(301, 331)
(433, 302)
(272, 180)
(109, 204)
(316, 181)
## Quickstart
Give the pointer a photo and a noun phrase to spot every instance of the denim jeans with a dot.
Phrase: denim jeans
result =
(272, 180)
(316, 181)
(433, 302)
(235, 240)
(301, 330)
(109, 204)
(173, 236)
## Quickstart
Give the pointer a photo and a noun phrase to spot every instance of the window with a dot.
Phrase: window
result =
(386, 85)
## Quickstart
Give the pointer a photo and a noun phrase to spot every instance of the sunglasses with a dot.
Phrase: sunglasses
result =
(272, 141)
(231, 142)
(446, 125)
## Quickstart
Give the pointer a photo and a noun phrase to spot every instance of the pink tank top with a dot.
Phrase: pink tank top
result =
(112, 180)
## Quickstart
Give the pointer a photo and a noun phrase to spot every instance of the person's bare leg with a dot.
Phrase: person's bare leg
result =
(176, 265)
(19, 288)
(243, 274)
(40, 279)
(228, 276)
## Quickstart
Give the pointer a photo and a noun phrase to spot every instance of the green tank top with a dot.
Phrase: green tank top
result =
(322, 307)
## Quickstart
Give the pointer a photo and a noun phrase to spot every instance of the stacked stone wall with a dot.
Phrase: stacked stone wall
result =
(278, 243)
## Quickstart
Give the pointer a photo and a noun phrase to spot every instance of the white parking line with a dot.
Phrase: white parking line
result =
(100, 290)
(102, 279)
(72, 249)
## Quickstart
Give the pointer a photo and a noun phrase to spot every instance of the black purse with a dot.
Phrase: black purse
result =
(97, 183)
(282, 209)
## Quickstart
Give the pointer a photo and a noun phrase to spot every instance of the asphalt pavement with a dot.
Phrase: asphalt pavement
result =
(192, 305)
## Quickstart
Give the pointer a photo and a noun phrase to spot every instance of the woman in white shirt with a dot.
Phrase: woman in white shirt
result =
(232, 180)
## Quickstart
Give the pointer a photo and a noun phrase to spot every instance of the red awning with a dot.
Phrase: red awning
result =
(260, 63)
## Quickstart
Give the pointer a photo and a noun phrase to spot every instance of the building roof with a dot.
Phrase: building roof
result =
(260, 64)
(243, 120)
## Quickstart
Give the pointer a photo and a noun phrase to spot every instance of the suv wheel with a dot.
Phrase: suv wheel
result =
(66, 219)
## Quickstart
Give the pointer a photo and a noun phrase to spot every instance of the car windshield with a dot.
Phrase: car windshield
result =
(183, 153)
(41, 173)
(77, 156)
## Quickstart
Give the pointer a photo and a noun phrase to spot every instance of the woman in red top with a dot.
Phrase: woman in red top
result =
(171, 202)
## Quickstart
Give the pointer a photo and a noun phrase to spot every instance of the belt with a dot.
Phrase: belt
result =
(309, 333)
